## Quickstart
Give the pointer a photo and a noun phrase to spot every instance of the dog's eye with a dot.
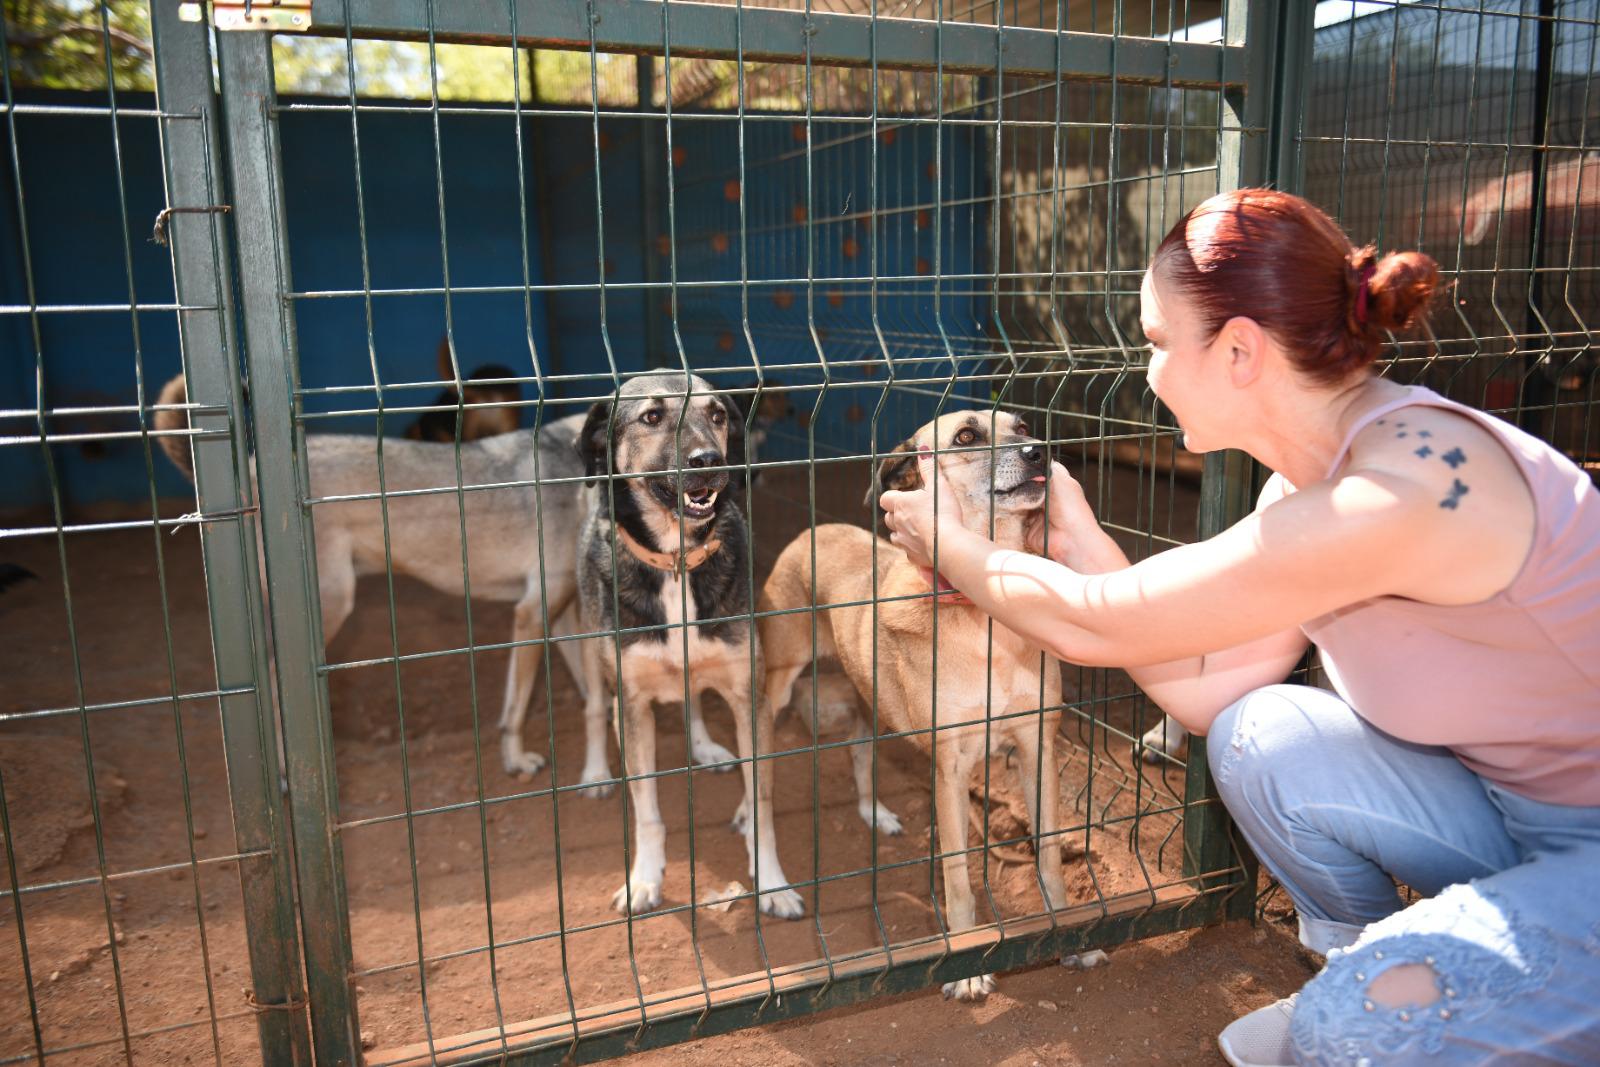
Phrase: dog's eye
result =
(718, 416)
(966, 436)
(651, 417)
(1021, 430)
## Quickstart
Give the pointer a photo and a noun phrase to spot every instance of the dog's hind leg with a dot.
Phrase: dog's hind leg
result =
(760, 836)
(636, 737)
(780, 689)
(1037, 778)
(336, 580)
(521, 673)
(565, 625)
(703, 750)
(873, 811)
(1163, 739)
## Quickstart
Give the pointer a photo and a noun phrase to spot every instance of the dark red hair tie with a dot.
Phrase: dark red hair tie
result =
(1362, 291)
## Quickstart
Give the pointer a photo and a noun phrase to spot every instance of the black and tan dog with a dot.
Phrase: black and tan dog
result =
(663, 560)
(990, 683)
(481, 387)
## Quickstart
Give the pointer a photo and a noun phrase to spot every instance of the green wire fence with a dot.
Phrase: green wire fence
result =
(233, 835)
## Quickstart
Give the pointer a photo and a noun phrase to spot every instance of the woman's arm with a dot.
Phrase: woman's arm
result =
(1193, 690)
(1315, 551)
(1198, 689)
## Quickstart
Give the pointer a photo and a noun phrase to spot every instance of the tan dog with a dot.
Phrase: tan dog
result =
(990, 682)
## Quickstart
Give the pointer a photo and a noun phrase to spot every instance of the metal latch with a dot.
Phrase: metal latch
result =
(274, 16)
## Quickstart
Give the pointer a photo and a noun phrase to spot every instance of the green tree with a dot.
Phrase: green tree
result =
(62, 44)
(397, 69)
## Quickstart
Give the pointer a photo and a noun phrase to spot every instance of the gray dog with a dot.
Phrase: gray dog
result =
(665, 557)
(502, 525)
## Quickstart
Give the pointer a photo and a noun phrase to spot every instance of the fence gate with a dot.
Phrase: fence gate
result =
(852, 215)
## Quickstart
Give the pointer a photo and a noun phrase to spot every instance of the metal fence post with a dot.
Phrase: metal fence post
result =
(203, 284)
(1259, 146)
(249, 103)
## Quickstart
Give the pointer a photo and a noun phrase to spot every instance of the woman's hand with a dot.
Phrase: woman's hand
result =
(909, 514)
(1075, 536)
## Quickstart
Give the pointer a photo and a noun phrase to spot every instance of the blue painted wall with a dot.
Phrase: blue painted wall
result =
(69, 181)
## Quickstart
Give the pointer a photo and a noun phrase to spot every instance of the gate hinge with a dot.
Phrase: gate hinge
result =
(274, 16)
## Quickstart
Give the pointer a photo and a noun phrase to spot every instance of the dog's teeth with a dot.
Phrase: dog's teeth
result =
(712, 499)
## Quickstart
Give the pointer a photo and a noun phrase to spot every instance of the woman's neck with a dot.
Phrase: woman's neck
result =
(1300, 437)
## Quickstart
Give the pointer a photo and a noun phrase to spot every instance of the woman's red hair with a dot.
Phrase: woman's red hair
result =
(1280, 260)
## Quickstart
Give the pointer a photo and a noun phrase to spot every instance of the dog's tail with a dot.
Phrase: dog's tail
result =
(176, 447)
(446, 371)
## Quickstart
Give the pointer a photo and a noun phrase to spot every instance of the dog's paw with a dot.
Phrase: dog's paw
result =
(969, 988)
(1164, 739)
(523, 765)
(707, 753)
(596, 783)
(885, 821)
(645, 896)
(782, 903)
(1084, 961)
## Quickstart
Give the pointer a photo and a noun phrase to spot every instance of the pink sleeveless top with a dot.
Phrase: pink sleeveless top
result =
(1511, 684)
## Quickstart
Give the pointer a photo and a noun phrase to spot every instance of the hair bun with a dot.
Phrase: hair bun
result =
(1399, 289)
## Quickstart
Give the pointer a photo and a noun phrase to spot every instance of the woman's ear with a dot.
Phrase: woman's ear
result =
(1244, 345)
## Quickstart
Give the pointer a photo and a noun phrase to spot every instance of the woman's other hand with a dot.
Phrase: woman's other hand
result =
(1075, 538)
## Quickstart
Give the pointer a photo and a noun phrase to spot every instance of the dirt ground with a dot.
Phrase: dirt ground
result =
(162, 941)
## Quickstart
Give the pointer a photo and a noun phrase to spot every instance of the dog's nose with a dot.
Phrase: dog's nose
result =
(705, 457)
(1033, 455)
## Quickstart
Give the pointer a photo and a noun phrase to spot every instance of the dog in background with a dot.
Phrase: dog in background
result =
(1165, 738)
(424, 532)
(991, 684)
(478, 388)
(771, 408)
(663, 562)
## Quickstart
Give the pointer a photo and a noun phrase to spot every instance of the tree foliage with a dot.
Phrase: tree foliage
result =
(63, 44)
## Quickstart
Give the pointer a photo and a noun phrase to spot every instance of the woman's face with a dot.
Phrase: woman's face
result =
(1184, 372)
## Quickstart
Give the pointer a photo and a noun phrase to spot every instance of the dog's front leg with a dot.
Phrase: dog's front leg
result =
(760, 837)
(1036, 777)
(636, 737)
(950, 808)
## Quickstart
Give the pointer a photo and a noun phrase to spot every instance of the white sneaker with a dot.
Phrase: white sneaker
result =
(1260, 1039)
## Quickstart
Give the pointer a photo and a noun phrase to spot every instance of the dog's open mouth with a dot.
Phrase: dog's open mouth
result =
(699, 503)
(696, 503)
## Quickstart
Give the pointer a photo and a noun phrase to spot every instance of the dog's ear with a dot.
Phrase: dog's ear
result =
(594, 442)
(897, 471)
(736, 444)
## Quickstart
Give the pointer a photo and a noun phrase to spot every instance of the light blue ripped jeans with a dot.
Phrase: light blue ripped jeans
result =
(1511, 921)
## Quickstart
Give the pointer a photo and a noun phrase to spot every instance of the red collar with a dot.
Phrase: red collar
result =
(947, 593)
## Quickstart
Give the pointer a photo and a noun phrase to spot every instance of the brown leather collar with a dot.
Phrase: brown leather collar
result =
(671, 562)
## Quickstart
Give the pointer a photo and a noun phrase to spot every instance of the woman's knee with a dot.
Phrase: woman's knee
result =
(1412, 999)
(1269, 732)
